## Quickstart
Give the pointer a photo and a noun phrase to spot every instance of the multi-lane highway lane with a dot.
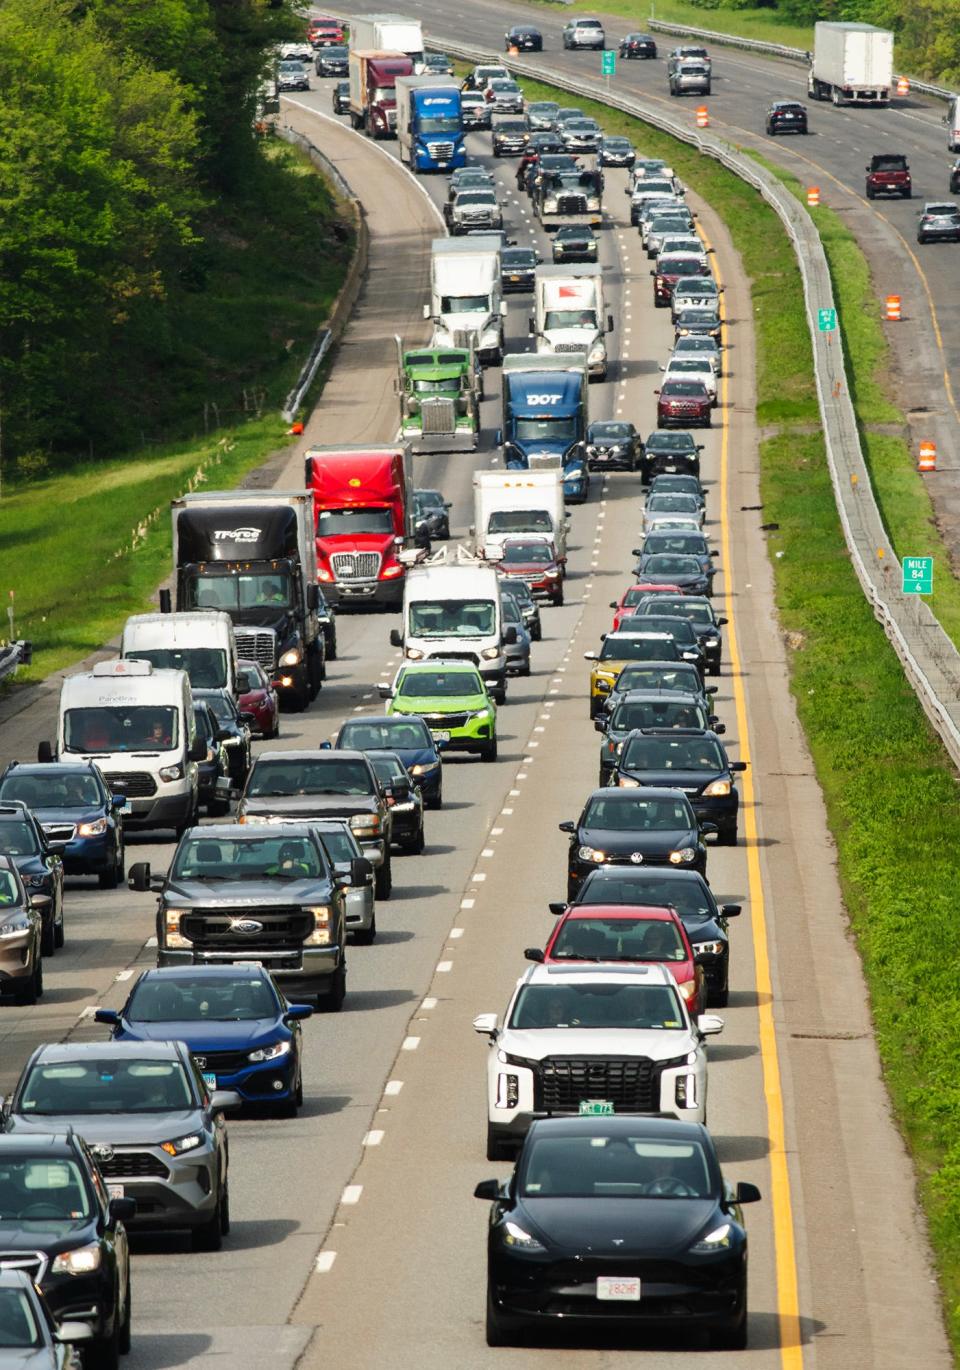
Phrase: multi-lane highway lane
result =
(355, 1235)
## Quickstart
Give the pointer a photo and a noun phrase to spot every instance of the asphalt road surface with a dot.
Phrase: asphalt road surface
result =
(355, 1238)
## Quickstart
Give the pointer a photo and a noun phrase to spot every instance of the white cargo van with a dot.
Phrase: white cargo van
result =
(136, 722)
(455, 613)
(510, 504)
(200, 642)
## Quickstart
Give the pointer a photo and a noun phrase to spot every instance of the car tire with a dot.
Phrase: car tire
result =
(525, 670)
(727, 837)
(103, 1353)
(499, 1332)
(497, 1148)
(536, 634)
(435, 801)
(209, 1236)
(870, 193)
(489, 751)
(722, 997)
(365, 937)
(108, 880)
(48, 938)
(414, 845)
(59, 932)
(34, 986)
(384, 879)
(731, 1338)
(332, 1001)
(124, 1338)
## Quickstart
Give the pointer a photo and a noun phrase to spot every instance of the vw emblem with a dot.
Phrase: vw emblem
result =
(248, 926)
(618, 1241)
(201, 1062)
(103, 1152)
(636, 857)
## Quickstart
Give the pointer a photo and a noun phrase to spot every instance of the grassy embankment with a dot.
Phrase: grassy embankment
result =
(83, 546)
(890, 793)
(760, 24)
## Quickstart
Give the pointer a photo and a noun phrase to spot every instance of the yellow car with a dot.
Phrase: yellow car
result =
(617, 651)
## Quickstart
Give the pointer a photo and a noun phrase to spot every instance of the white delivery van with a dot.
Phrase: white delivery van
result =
(569, 314)
(509, 504)
(200, 642)
(136, 722)
(455, 613)
(466, 304)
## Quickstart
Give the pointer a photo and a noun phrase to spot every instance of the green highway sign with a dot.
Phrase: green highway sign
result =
(826, 320)
(608, 63)
(918, 575)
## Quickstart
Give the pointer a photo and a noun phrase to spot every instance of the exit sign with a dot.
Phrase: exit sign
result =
(608, 63)
(918, 575)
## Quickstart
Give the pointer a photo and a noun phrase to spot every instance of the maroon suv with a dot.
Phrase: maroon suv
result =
(683, 404)
(669, 269)
(888, 174)
(536, 562)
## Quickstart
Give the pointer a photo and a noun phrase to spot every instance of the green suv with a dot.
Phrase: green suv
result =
(451, 698)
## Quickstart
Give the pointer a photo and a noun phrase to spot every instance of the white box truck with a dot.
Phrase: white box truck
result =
(454, 613)
(466, 304)
(852, 64)
(201, 643)
(388, 33)
(510, 504)
(569, 314)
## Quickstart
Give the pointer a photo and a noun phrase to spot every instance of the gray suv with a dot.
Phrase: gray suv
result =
(584, 33)
(156, 1132)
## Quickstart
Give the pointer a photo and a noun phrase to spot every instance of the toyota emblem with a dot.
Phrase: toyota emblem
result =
(636, 857)
(103, 1152)
(249, 927)
(201, 1062)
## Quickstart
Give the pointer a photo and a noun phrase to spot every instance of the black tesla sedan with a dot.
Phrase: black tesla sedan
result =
(524, 38)
(626, 1222)
(638, 45)
(635, 827)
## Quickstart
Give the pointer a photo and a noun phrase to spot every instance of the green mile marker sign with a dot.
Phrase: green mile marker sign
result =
(918, 575)
(826, 320)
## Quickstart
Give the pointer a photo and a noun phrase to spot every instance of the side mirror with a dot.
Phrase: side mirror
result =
(609, 323)
(557, 908)
(746, 1193)
(44, 752)
(709, 1025)
(614, 604)
(198, 750)
(295, 1012)
(489, 1189)
(738, 765)
(636, 551)
(326, 745)
(730, 910)
(485, 1024)
(385, 691)
(567, 826)
(72, 1333)
(123, 1210)
(396, 637)
(599, 725)
(714, 551)
(721, 622)
(361, 871)
(247, 718)
(225, 1098)
(534, 954)
(719, 729)
(510, 638)
(709, 829)
(243, 683)
(118, 801)
(138, 877)
(106, 1015)
(710, 690)
(313, 597)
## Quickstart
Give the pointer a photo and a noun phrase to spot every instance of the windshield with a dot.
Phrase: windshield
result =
(618, 939)
(657, 713)
(349, 522)
(693, 609)
(110, 1085)
(278, 778)
(406, 734)
(670, 442)
(638, 649)
(56, 791)
(672, 503)
(9, 894)
(168, 1000)
(602, 1005)
(519, 521)
(18, 1325)
(452, 618)
(448, 385)
(464, 304)
(685, 891)
(17, 838)
(206, 666)
(546, 430)
(247, 858)
(681, 632)
(439, 684)
(614, 1167)
(120, 728)
(696, 285)
(611, 432)
(625, 813)
(680, 754)
(32, 1189)
(440, 124)
(695, 388)
(687, 544)
(523, 553)
(230, 593)
(385, 95)
(570, 318)
(665, 564)
(680, 679)
(292, 68)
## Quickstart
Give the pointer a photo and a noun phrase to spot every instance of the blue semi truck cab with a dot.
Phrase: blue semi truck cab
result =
(545, 417)
(430, 123)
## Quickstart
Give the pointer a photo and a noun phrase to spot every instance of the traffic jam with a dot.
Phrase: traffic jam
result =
(610, 1210)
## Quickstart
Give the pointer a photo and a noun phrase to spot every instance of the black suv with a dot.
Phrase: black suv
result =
(62, 1229)
(41, 870)
(80, 818)
(510, 137)
(786, 116)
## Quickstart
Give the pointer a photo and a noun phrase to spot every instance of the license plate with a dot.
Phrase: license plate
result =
(210, 1079)
(596, 1108)
(514, 278)
(618, 1289)
(115, 1191)
(671, 467)
(440, 736)
(248, 963)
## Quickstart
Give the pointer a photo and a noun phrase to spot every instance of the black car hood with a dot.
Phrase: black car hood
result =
(45, 815)
(621, 1227)
(650, 843)
(47, 1235)
(673, 779)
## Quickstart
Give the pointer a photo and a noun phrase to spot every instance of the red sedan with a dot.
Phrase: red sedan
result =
(683, 404)
(259, 699)
(631, 597)
(536, 562)
(627, 932)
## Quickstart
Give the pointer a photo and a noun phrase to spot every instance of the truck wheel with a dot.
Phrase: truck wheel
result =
(365, 937)
(497, 1149)
(332, 1001)
(48, 938)
(384, 881)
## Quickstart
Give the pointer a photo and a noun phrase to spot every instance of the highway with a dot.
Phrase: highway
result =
(355, 1235)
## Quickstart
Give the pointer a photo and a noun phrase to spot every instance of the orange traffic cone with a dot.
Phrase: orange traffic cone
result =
(703, 118)
(928, 458)
(813, 196)
(892, 311)
(903, 85)
(296, 429)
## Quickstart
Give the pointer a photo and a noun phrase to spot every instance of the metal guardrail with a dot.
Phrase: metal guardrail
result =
(14, 654)
(930, 660)
(788, 54)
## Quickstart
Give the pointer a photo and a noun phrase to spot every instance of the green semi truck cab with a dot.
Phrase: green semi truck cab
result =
(440, 390)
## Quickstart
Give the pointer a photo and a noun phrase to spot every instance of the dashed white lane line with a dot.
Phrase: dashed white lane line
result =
(429, 1003)
(393, 1087)
(478, 876)
(373, 1138)
(454, 933)
(150, 942)
(324, 1262)
(540, 728)
(467, 903)
(495, 832)
(487, 851)
(410, 1044)
(514, 793)
(124, 975)
(508, 812)
(89, 1011)
(351, 1195)
(444, 967)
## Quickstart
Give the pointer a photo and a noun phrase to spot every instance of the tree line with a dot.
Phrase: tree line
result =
(121, 124)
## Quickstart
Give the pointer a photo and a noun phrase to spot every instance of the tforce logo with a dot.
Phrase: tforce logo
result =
(237, 534)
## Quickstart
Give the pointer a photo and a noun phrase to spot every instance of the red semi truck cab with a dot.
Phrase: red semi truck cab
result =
(373, 99)
(362, 505)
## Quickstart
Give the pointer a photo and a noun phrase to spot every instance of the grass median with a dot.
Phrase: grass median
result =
(85, 544)
(890, 791)
(760, 24)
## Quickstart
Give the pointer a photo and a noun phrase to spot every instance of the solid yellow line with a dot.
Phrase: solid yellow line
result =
(788, 1301)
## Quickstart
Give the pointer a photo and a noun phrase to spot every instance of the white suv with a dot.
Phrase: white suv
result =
(584, 33)
(592, 1040)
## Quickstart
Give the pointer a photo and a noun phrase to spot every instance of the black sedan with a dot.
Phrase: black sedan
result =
(615, 151)
(638, 45)
(613, 445)
(939, 223)
(697, 323)
(786, 116)
(684, 891)
(41, 870)
(664, 677)
(518, 267)
(625, 1222)
(635, 827)
(332, 61)
(680, 543)
(671, 568)
(520, 591)
(431, 512)
(670, 452)
(234, 732)
(523, 38)
(642, 709)
(679, 630)
(340, 97)
(404, 800)
(575, 244)
(693, 761)
(510, 137)
(698, 610)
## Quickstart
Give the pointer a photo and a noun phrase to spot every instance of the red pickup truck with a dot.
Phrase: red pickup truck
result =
(889, 174)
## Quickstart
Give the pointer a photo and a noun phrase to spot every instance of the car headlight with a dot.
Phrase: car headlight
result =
(291, 658)
(717, 1240)
(182, 1144)
(94, 828)
(270, 1053)
(321, 934)
(485, 712)
(82, 1260)
(424, 770)
(174, 937)
(37, 882)
(575, 473)
(683, 856)
(591, 854)
(365, 824)
(707, 948)
(413, 654)
(171, 772)
(627, 783)
(490, 653)
(521, 1240)
(16, 928)
(711, 642)
(717, 788)
(551, 575)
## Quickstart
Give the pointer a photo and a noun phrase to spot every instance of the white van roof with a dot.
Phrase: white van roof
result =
(123, 682)
(452, 582)
(194, 627)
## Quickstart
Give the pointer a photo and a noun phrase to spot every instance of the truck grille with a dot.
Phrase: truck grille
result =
(258, 644)
(441, 721)
(544, 461)
(135, 784)
(215, 929)
(572, 204)
(464, 337)
(355, 565)
(632, 1083)
(442, 152)
(133, 1165)
(59, 832)
(569, 347)
(438, 416)
(455, 656)
(32, 1263)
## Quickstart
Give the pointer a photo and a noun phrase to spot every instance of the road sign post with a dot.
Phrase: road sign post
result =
(918, 575)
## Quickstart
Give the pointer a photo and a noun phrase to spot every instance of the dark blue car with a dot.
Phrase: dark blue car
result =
(81, 820)
(242, 1033)
(412, 741)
